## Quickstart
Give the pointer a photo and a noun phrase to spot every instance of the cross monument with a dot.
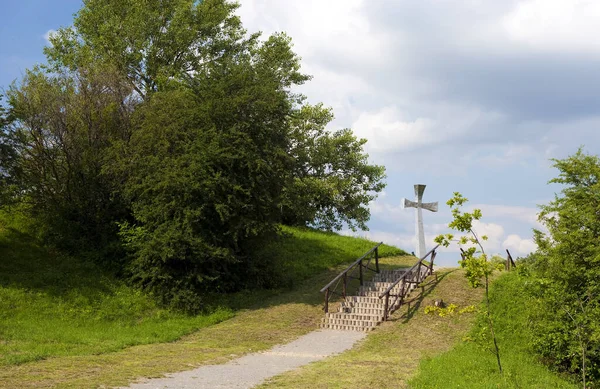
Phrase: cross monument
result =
(420, 205)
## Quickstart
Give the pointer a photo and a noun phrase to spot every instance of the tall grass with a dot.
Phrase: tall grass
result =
(471, 365)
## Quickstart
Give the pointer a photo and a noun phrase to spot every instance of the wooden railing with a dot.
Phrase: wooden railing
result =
(330, 289)
(415, 275)
(510, 264)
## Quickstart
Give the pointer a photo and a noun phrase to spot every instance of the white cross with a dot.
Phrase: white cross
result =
(420, 205)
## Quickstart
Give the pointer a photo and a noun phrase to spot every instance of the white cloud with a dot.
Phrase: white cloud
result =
(524, 214)
(555, 25)
(473, 95)
(323, 31)
(510, 154)
(391, 130)
(519, 245)
(494, 232)
(389, 212)
(48, 35)
(386, 131)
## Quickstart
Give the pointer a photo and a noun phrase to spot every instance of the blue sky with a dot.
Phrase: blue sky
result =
(24, 24)
(472, 96)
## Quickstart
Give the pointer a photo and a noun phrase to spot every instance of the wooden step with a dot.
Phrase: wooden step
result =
(349, 322)
(362, 305)
(364, 299)
(353, 316)
(364, 311)
(346, 327)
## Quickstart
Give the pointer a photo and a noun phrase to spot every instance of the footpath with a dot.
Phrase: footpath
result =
(252, 369)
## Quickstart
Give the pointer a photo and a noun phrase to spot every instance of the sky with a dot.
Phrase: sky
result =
(471, 96)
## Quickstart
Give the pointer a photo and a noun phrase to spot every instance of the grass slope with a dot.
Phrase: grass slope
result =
(56, 305)
(272, 319)
(59, 310)
(468, 365)
(304, 252)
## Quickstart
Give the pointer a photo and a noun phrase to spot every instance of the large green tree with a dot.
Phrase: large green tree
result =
(168, 119)
(205, 170)
(8, 159)
(567, 313)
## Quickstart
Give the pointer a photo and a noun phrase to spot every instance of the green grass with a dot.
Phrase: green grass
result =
(270, 317)
(469, 365)
(304, 252)
(55, 305)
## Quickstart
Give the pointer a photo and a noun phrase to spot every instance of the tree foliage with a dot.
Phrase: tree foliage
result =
(332, 181)
(151, 42)
(567, 266)
(165, 128)
(8, 159)
(205, 171)
(63, 125)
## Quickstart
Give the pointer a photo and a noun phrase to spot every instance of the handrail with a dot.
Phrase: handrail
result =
(344, 275)
(405, 290)
(419, 262)
(350, 267)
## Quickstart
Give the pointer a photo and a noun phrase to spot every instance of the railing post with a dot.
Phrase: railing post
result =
(509, 261)
(345, 285)
(360, 268)
(433, 254)
(386, 306)
(326, 300)
(377, 259)
(403, 292)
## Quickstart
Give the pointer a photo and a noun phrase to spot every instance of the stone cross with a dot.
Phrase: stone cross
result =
(420, 205)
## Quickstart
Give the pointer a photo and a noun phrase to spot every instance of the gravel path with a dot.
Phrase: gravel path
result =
(252, 369)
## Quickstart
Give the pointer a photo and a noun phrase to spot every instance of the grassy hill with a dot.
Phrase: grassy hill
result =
(54, 305)
(470, 365)
(429, 351)
(65, 323)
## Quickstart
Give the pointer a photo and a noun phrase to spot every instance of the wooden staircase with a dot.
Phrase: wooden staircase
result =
(366, 310)
(375, 299)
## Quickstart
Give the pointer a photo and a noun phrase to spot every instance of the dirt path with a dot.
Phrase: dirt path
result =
(252, 369)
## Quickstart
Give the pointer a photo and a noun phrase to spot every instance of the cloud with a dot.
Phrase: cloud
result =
(519, 245)
(48, 35)
(473, 96)
(412, 75)
(386, 132)
(555, 25)
(494, 232)
(526, 215)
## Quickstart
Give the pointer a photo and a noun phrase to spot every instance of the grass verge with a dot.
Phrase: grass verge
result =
(470, 365)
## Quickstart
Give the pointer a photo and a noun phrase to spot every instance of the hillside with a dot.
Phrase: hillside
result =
(469, 364)
(52, 304)
(67, 324)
